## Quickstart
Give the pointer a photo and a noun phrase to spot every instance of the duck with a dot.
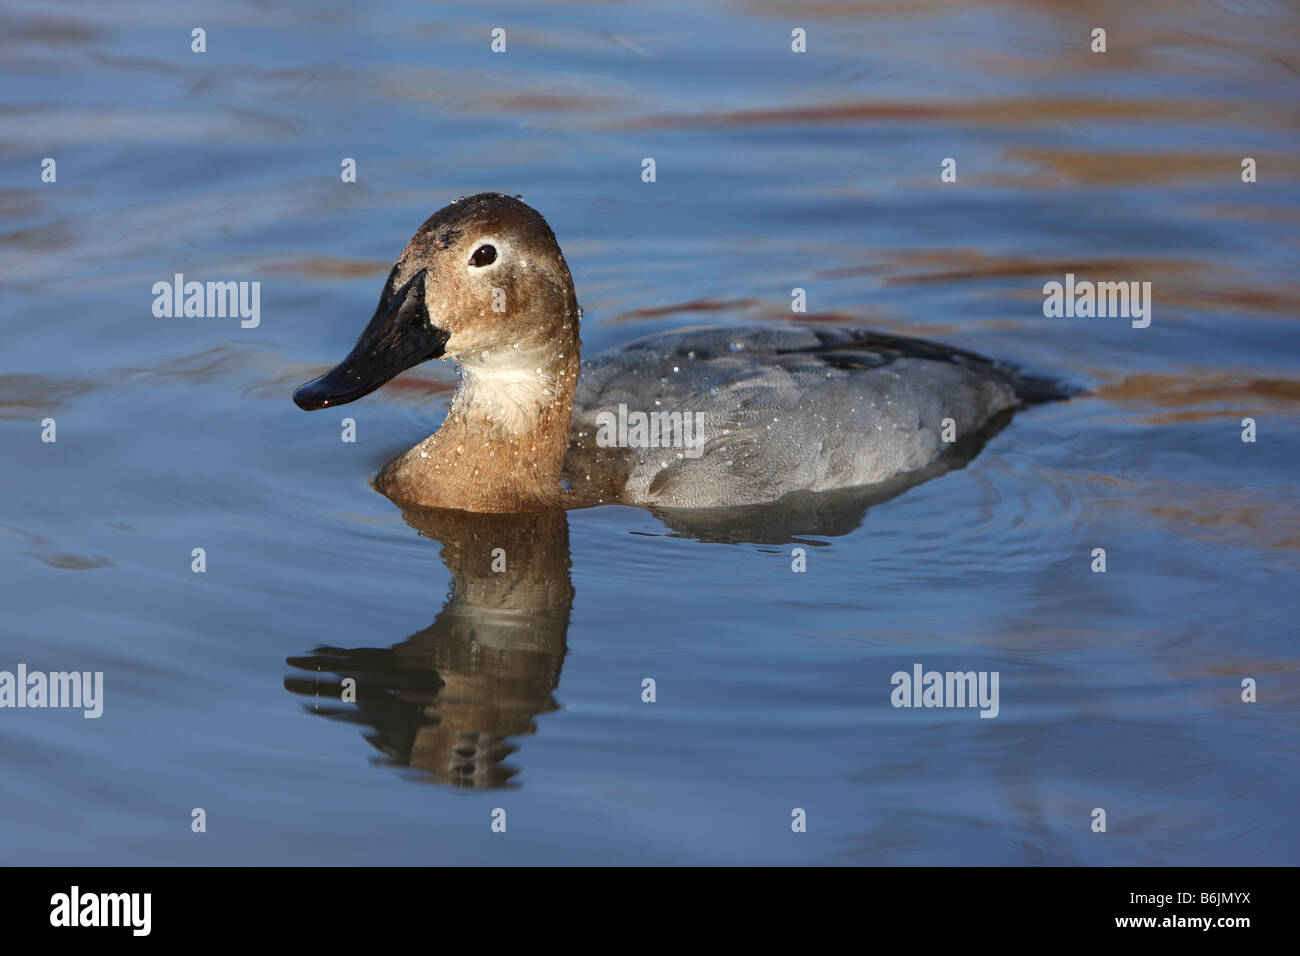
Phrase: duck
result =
(693, 418)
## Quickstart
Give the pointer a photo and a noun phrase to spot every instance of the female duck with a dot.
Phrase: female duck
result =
(695, 418)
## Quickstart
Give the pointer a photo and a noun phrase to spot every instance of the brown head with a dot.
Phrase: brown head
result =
(483, 281)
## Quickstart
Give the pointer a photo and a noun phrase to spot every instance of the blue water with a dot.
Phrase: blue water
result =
(775, 170)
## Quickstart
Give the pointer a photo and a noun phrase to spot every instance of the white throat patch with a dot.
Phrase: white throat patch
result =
(509, 388)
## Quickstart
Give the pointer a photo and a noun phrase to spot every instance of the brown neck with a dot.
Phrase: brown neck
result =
(502, 445)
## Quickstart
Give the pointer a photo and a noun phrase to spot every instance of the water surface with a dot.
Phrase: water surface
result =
(522, 692)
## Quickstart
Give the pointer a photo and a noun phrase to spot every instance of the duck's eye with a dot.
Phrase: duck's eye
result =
(483, 256)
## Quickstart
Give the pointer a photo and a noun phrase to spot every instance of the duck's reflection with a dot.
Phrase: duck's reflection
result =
(445, 699)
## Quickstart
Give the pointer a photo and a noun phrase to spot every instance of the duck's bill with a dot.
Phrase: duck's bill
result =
(399, 336)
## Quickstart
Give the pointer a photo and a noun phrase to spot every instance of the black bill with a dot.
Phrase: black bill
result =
(399, 336)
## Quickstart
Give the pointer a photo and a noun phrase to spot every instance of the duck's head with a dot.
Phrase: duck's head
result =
(481, 280)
